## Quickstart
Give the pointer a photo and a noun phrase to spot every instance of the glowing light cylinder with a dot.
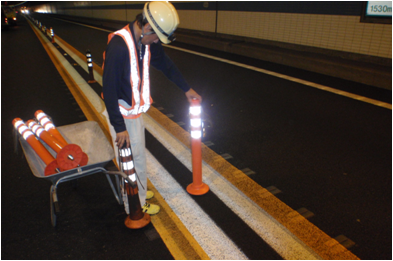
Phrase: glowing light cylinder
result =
(35, 144)
(197, 187)
(136, 218)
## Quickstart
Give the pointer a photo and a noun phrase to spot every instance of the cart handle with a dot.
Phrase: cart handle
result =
(123, 175)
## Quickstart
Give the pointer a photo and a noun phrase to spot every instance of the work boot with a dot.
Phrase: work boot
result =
(149, 194)
(150, 209)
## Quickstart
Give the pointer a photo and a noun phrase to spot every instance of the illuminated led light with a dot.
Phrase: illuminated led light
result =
(196, 123)
(195, 110)
(196, 134)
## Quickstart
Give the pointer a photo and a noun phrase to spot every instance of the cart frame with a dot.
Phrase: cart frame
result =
(89, 136)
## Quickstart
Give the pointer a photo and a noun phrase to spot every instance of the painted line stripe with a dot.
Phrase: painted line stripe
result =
(290, 78)
(273, 233)
(301, 228)
(209, 236)
(279, 75)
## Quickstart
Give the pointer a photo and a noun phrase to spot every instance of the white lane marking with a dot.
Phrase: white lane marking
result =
(210, 237)
(270, 230)
(279, 75)
(93, 27)
(292, 79)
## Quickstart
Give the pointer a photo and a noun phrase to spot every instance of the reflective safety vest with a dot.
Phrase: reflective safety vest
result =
(141, 99)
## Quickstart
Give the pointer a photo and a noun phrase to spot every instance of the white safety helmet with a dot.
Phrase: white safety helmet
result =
(163, 18)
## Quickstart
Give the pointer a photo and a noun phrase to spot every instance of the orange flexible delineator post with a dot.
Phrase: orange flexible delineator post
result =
(197, 187)
(71, 155)
(52, 34)
(136, 218)
(42, 152)
(49, 126)
(90, 67)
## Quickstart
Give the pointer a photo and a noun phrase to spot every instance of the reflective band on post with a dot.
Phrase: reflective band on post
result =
(128, 165)
(40, 115)
(27, 134)
(132, 177)
(125, 152)
(36, 129)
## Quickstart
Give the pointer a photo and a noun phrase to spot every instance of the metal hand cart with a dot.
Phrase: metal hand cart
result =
(89, 136)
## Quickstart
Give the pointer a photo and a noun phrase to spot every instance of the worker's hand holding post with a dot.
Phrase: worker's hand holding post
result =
(121, 138)
(191, 94)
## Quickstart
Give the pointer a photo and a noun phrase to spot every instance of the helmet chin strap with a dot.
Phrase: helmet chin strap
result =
(140, 40)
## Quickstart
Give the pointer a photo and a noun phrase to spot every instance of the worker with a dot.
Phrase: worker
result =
(126, 81)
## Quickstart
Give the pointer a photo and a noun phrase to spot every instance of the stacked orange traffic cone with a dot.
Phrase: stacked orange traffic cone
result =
(136, 218)
(42, 152)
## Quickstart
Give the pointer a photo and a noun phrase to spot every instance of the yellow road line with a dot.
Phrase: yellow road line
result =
(175, 235)
(311, 235)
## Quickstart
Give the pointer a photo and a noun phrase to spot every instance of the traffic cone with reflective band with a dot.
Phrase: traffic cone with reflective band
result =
(136, 218)
(42, 152)
(90, 67)
(69, 156)
(197, 187)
